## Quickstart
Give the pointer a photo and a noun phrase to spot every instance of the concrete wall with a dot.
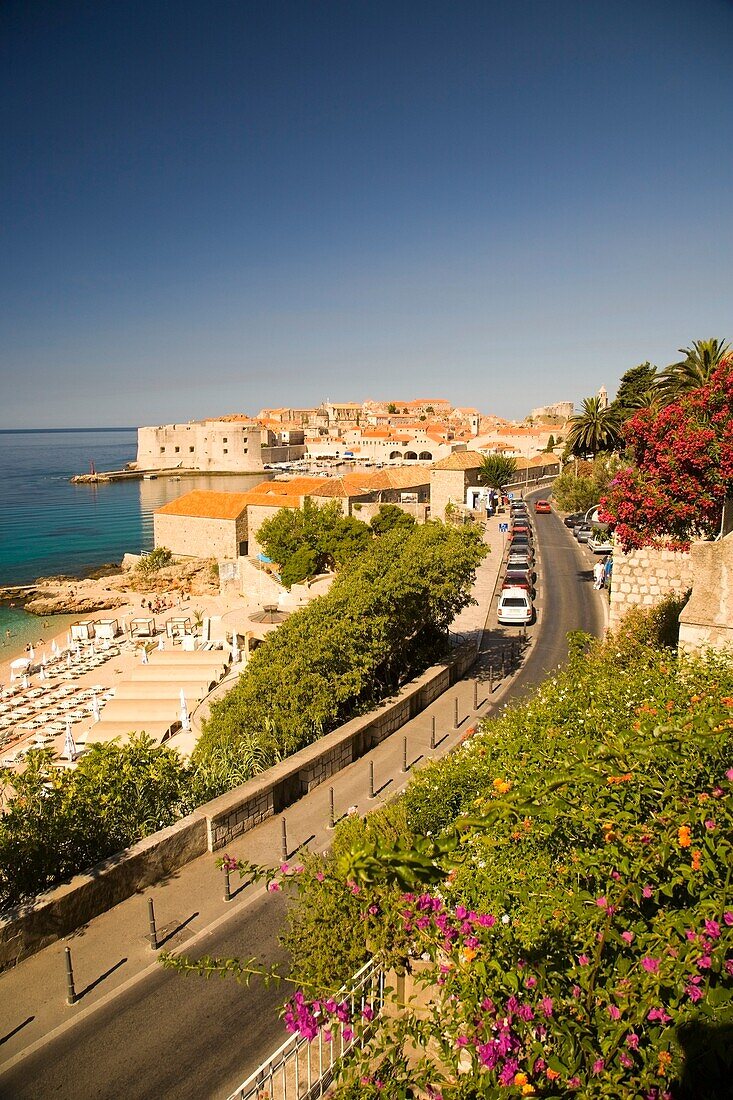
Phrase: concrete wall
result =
(34, 925)
(642, 578)
(365, 512)
(194, 537)
(707, 618)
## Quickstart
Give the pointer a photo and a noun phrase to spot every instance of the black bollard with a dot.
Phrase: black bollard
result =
(371, 779)
(432, 732)
(475, 694)
(283, 840)
(456, 723)
(404, 754)
(491, 679)
(70, 990)
(227, 886)
(503, 662)
(331, 809)
(152, 930)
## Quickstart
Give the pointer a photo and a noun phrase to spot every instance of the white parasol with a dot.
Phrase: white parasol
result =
(69, 744)
(184, 715)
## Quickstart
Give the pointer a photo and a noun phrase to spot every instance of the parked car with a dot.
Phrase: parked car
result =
(573, 518)
(518, 578)
(515, 607)
(521, 542)
(584, 532)
(542, 506)
(522, 530)
(520, 559)
(600, 542)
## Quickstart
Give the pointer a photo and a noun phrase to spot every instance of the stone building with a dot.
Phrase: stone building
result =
(203, 524)
(450, 478)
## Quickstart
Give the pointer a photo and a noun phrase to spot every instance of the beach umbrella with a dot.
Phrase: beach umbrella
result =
(31, 653)
(43, 675)
(144, 658)
(69, 744)
(95, 707)
(68, 637)
(235, 649)
(68, 659)
(78, 651)
(161, 643)
(55, 648)
(184, 715)
(44, 659)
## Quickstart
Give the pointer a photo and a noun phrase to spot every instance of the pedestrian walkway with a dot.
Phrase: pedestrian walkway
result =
(113, 951)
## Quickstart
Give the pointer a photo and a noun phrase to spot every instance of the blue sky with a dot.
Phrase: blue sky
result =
(216, 206)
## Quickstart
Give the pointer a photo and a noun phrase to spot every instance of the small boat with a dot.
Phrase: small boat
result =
(150, 477)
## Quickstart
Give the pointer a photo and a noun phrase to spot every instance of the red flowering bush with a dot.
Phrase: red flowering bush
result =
(683, 468)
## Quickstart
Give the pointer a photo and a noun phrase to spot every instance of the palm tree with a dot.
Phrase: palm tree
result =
(496, 471)
(596, 428)
(695, 370)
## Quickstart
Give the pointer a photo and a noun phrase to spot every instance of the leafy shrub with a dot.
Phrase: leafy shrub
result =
(579, 939)
(153, 562)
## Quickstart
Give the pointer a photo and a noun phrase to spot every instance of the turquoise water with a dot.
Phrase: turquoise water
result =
(17, 629)
(49, 526)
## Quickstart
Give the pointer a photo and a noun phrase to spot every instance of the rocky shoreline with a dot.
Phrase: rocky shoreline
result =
(109, 587)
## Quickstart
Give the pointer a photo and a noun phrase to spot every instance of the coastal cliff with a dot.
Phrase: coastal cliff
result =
(75, 596)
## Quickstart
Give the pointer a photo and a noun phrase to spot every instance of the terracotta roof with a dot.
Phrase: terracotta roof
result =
(206, 504)
(460, 460)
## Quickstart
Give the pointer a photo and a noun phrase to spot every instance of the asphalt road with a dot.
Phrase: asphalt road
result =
(170, 1037)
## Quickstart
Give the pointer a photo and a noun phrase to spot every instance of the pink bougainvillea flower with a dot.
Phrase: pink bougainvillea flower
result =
(712, 928)
(320, 876)
(598, 1066)
(658, 1014)
(583, 960)
(650, 965)
(647, 892)
(614, 1012)
(628, 937)
(273, 887)
(602, 902)
(632, 1041)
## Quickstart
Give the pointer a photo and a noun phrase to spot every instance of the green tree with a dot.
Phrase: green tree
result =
(695, 370)
(594, 429)
(390, 516)
(391, 408)
(637, 386)
(550, 443)
(151, 563)
(321, 537)
(58, 823)
(385, 617)
(496, 471)
(577, 491)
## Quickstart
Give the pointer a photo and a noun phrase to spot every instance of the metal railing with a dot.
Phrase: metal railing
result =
(301, 1069)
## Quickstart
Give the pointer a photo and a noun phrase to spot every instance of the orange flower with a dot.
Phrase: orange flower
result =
(696, 859)
(469, 954)
(552, 1074)
(619, 778)
(520, 1078)
(501, 786)
(683, 836)
(727, 700)
(528, 1090)
(665, 1060)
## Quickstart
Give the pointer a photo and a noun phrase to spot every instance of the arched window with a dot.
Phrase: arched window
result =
(410, 454)
(395, 454)
(426, 455)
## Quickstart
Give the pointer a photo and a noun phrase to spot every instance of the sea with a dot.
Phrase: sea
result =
(49, 526)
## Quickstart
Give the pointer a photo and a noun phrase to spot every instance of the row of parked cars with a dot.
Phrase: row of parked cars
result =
(586, 528)
(517, 590)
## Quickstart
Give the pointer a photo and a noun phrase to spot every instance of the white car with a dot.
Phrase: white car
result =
(515, 607)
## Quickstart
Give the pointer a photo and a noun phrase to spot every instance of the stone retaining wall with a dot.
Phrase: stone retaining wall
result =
(267, 794)
(642, 578)
(34, 925)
